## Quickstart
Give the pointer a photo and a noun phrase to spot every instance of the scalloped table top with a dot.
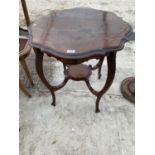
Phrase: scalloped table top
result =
(79, 31)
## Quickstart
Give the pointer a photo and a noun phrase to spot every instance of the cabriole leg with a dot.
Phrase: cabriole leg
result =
(100, 67)
(111, 62)
(39, 68)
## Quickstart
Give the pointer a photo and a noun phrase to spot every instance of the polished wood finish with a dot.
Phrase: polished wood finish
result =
(87, 31)
(77, 35)
(79, 72)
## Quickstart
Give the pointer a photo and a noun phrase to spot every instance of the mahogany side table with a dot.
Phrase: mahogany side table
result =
(74, 36)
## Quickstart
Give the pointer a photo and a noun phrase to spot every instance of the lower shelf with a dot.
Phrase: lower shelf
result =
(79, 72)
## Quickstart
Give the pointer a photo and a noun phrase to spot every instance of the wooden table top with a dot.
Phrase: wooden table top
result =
(79, 32)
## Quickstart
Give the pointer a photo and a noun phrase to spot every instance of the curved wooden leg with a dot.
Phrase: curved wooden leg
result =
(100, 67)
(27, 72)
(53, 96)
(97, 104)
(39, 68)
(64, 67)
(111, 62)
(22, 87)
